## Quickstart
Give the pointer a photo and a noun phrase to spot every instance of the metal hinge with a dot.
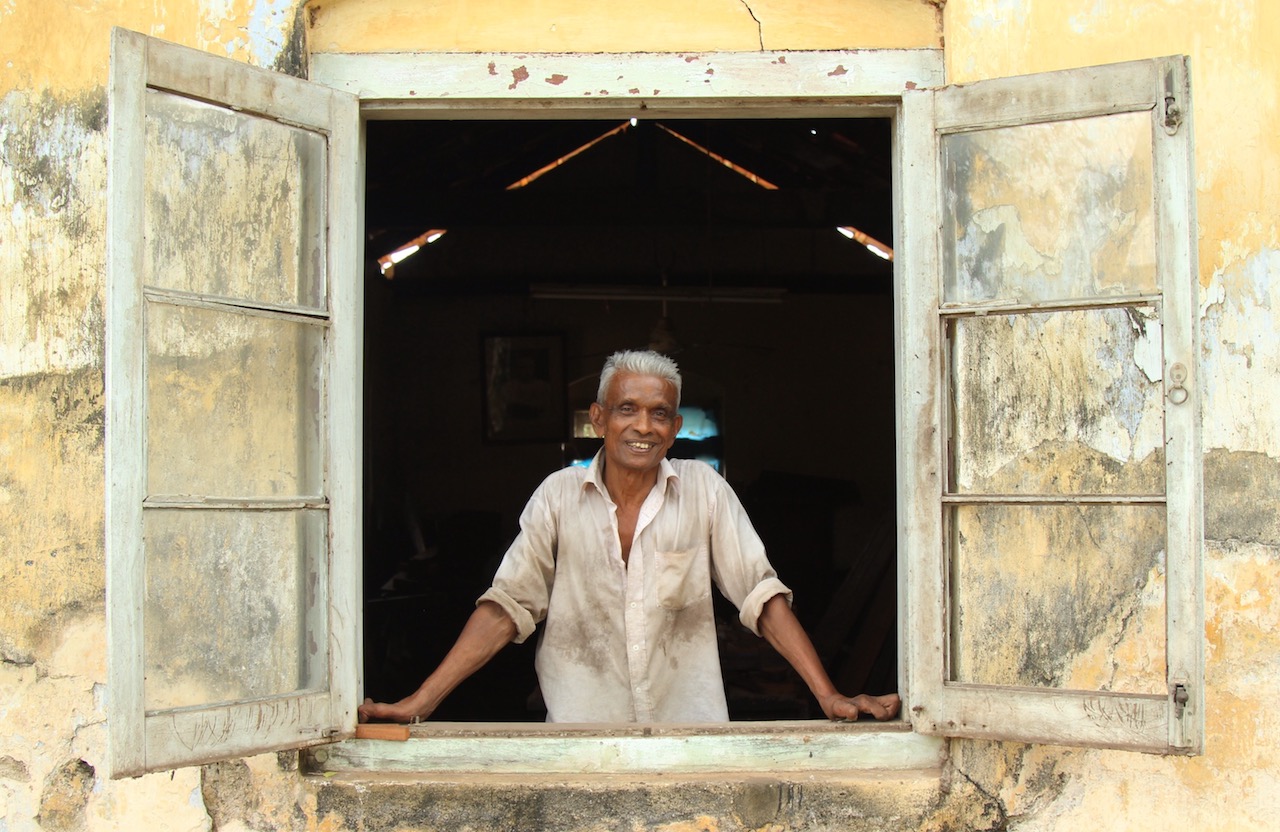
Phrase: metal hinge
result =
(1180, 699)
(1172, 112)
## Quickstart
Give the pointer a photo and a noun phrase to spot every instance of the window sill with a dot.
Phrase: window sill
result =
(806, 747)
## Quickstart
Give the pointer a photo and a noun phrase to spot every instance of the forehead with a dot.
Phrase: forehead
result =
(635, 387)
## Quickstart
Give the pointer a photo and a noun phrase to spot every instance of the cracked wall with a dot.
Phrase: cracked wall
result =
(660, 26)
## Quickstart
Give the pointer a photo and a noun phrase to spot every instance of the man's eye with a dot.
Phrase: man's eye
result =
(627, 410)
(660, 415)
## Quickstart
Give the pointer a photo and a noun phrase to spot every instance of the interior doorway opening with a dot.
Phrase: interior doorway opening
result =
(717, 241)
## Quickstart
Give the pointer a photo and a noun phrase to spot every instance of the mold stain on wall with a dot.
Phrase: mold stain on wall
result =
(52, 175)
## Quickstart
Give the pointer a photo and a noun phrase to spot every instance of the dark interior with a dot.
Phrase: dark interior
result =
(782, 326)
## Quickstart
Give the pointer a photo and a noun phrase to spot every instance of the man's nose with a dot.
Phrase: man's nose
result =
(642, 420)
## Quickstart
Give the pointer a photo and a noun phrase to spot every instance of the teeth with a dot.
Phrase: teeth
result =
(641, 446)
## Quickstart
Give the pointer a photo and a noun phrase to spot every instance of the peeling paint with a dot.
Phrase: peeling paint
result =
(11, 769)
(65, 796)
(1241, 355)
(259, 32)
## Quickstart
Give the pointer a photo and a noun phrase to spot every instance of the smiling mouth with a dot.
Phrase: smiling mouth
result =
(641, 446)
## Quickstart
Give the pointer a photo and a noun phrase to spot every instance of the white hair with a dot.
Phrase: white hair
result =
(642, 363)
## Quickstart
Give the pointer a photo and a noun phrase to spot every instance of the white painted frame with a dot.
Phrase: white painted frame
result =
(139, 740)
(813, 84)
(1152, 723)
(836, 84)
(495, 84)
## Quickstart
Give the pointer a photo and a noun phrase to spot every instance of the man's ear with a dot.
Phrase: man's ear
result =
(597, 419)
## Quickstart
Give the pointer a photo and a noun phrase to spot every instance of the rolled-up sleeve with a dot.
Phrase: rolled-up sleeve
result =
(749, 612)
(522, 584)
(740, 563)
(525, 625)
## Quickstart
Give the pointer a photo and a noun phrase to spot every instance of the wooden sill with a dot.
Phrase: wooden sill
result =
(804, 746)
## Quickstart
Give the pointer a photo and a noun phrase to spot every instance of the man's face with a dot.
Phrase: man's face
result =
(638, 421)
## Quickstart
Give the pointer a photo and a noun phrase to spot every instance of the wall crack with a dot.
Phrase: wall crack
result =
(759, 25)
(993, 804)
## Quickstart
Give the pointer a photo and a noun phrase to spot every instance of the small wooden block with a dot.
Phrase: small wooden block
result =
(368, 731)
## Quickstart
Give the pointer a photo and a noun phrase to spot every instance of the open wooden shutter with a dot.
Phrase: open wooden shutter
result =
(1050, 447)
(233, 369)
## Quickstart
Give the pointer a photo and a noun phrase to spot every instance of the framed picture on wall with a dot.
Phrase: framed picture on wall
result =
(524, 388)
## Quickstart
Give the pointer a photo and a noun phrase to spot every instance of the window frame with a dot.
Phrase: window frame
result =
(836, 84)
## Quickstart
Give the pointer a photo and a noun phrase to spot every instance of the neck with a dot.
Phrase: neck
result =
(626, 487)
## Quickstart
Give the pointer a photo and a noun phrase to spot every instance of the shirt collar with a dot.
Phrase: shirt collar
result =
(595, 473)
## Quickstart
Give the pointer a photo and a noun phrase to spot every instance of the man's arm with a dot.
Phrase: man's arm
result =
(780, 627)
(487, 631)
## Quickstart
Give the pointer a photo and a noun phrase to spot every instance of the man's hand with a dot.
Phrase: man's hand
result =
(487, 631)
(781, 628)
(838, 706)
(408, 709)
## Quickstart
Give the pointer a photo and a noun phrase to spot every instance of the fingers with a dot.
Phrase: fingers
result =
(892, 704)
(879, 707)
(843, 708)
(396, 712)
(371, 710)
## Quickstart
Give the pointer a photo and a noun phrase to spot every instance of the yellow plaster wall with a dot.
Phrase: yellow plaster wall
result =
(63, 46)
(1235, 72)
(587, 26)
(53, 146)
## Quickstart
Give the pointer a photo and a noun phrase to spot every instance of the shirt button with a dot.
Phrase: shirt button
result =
(633, 605)
(635, 647)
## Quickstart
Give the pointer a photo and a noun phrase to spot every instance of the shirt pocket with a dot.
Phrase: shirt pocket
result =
(683, 577)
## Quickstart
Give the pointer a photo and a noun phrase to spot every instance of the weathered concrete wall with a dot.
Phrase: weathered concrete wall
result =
(1235, 72)
(52, 253)
(52, 637)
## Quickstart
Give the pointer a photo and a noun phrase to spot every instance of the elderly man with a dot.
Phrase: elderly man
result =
(619, 559)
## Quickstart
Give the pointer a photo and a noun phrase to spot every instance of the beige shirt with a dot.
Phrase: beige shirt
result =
(632, 642)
